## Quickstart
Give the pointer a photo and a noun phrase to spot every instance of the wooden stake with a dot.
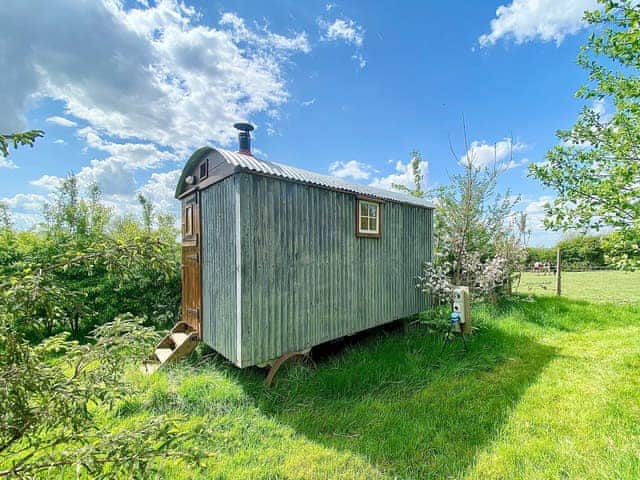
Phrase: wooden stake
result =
(558, 273)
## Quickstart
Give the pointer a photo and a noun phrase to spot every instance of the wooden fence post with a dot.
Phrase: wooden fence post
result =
(558, 273)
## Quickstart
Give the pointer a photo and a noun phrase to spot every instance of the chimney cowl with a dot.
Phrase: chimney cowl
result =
(244, 137)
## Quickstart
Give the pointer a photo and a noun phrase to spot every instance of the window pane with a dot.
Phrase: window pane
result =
(188, 214)
(368, 217)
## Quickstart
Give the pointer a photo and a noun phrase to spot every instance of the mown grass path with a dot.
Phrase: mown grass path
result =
(549, 388)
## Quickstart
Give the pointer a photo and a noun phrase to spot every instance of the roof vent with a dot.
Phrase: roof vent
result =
(244, 137)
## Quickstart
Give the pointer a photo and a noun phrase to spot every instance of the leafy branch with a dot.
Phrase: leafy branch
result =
(27, 138)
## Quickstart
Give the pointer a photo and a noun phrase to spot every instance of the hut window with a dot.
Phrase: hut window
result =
(204, 169)
(368, 219)
(188, 221)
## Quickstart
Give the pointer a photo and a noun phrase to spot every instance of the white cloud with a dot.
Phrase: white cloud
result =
(160, 190)
(483, 154)
(263, 37)
(546, 20)
(162, 77)
(115, 173)
(25, 202)
(63, 122)
(535, 210)
(25, 209)
(47, 182)
(113, 176)
(118, 186)
(351, 169)
(343, 29)
(362, 62)
(402, 176)
(6, 163)
(59, 141)
(133, 155)
(25, 221)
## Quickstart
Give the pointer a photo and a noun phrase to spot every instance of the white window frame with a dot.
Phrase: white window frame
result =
(368, 231)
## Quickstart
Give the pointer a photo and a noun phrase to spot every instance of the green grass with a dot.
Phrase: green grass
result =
(548, 389)
(596, 286)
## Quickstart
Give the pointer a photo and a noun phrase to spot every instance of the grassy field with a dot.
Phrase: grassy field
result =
(548, 389)
(596, 286)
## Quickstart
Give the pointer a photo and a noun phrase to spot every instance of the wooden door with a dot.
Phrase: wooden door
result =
(191, 267)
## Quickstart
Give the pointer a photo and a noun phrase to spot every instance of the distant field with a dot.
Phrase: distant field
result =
(596, 286)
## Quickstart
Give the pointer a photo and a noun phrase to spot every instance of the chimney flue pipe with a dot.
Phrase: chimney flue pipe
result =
(244, 137)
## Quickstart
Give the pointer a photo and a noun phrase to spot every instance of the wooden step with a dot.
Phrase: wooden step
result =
(163, 354)
(181, 327)
(179, 343)
(179, 338)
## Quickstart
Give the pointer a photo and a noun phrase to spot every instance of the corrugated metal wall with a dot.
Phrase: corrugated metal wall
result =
(307, 278)
(219, 327)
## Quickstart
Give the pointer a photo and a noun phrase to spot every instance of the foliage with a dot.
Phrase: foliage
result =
(54, 392)
(90, 291)
(147, 211)
(579, 251)
(541, 255)
(595, 170)
(61, 292)
(622, 248)
(69, 216)
(5, 217)
(582, 251)
(417, 171)
(479, 238)
(18, 139)
(435, 281)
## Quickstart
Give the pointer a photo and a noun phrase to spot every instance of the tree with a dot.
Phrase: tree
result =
(479, 238)
(417, 171)
(595, 169)
(70, 216)
(18, 139)
(55, 392)
(50, 410)
(5, 217)
(147, 211)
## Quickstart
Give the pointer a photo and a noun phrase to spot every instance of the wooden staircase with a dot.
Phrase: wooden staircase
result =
(179, 343)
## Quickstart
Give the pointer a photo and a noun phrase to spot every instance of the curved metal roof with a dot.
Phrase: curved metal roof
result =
(249, 163)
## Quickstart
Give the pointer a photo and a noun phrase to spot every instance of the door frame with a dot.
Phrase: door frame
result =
(191, 239)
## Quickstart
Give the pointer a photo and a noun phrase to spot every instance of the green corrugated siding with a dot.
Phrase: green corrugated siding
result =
(218, 230)
(307, 278)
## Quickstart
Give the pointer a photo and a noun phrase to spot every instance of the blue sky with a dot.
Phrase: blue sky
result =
(126, 90)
